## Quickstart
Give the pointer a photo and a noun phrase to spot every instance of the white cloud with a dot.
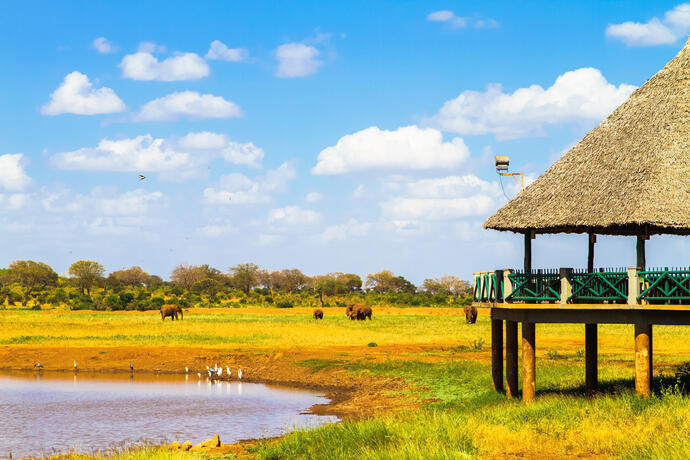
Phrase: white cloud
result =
(313, 197)
(180, 158)
(77, 95)
(447, 16)
(578, 96)
(103, 45)
(103, 202)
(216, 231)
(406, 148)
(220, 51)
(144, 66)
(13, 201)
(296, 60)
(236, 188)
(439, 199)
(293, 215)
(342, 232)
(675, 25)
(459, 22)
(189, 104)
(12, 174)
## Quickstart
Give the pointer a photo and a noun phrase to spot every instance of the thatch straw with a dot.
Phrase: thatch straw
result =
(630, 174)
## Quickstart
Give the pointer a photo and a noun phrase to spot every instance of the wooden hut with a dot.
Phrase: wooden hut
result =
(628, 176)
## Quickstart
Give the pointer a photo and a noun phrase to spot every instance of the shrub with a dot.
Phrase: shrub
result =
(372, 344)
(126, 298)
(113, 302)
(285, 304)
(156, 302)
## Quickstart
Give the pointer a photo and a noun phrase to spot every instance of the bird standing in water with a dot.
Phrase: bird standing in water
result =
(131, 367)
(239, 374)
(38, 366)
(75, 365)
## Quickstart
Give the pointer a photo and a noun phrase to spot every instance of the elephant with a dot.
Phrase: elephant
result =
(363, 312)
(318, 314)
(171, 311)
(470, 314)
(358, 311)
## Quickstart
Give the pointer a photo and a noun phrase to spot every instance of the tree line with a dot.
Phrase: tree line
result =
(36, 284)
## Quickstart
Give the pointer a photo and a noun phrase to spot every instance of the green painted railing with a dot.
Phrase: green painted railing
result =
(488, 287)
(664, 286)
(606, 285)
(537, 286)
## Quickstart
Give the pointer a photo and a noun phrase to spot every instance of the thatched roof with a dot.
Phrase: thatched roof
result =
(629, 174)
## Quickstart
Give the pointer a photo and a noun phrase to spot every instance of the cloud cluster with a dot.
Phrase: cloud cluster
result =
(221, 52)
(577, 96)
(296, 60)
(238, 189)
(186, 156)
(666, 31)
(77, 95)
(144, 66)
(406, 148)
(293, 215)
(187, 104)
(459, 22)
(12, 175)
(103, 45)
(441, 199)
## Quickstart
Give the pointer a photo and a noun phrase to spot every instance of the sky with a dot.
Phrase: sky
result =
(350, 136)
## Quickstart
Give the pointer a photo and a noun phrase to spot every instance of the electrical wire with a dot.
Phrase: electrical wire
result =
(500, 181)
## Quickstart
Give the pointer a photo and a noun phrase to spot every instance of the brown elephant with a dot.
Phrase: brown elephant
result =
(363, 312)
(318, 314)
(171, 311)
(358, 311)
(470, 314)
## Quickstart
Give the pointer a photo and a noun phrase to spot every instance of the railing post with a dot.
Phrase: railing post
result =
(499, 286)
(566, 284)
(633, 285)
(507, 285)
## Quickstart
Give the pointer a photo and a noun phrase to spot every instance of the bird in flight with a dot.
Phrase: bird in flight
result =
(141, 177)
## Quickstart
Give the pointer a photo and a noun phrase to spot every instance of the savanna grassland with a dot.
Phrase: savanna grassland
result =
(412, 383)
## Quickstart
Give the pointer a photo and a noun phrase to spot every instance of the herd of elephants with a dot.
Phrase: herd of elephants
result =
(354, 311)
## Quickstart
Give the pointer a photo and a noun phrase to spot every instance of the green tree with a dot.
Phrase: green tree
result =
(246, 276)
(133, 276)
(86, 274)
(33, 275)
(386, 281)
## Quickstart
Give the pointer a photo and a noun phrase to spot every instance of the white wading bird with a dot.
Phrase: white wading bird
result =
(227, 368)
(239, 374)
(75, 365)
(186, 370)
(220, 371)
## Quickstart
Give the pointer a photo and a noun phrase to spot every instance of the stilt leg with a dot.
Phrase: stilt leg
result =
(497, 354)
(528, 362)
(643, 358)
(591, 364)
(511, 359)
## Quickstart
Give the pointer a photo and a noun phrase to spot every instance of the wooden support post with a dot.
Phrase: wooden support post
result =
(528, 251)
(497, 354)
(528, 362)
(507, 285)
(633, 285)
(591, 364)
(641, 256)
(590, 252)
(643, 358)
(511, 359)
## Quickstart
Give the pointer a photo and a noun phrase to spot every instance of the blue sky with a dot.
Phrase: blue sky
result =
(350, 136)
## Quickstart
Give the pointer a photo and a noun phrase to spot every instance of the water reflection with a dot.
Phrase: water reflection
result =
(44, 412)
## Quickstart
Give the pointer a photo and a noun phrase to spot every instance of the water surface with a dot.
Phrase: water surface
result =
(45, 413)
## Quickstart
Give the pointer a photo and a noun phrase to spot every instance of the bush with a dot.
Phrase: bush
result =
(156, 302)
(82, 302)
(372, 344)
(113, 302)
(126, 298)
(285, 304)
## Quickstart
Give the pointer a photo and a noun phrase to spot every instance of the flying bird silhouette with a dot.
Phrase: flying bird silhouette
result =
(141, 177)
